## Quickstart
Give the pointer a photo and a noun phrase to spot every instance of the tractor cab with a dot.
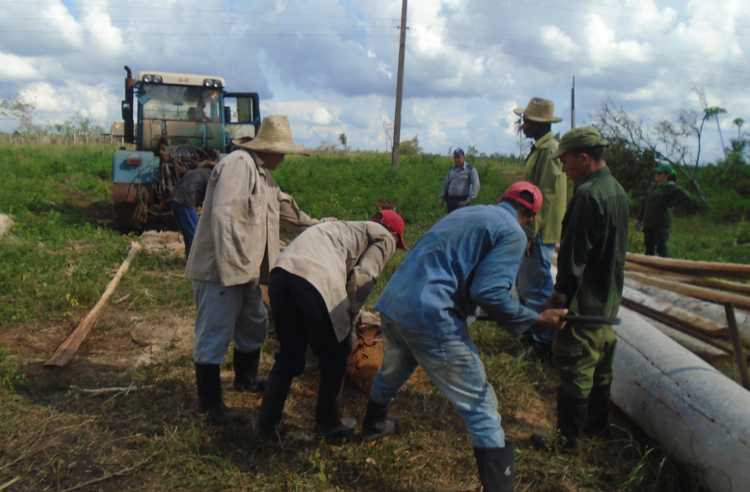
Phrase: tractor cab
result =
(175, 121)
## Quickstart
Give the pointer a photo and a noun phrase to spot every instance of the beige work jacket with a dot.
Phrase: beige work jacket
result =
(342, 260)
(545, 171)
(239, 226)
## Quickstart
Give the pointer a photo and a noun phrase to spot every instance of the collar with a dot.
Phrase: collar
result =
(597, 174)
(509, 208)
(545, 141)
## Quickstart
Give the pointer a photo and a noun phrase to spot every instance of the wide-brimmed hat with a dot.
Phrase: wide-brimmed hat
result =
(275, 135)
(540, 110)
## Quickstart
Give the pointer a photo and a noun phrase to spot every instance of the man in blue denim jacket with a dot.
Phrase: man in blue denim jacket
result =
(470, 258)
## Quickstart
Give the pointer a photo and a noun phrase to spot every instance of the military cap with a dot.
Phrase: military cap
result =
(584, 137)
(666, 169)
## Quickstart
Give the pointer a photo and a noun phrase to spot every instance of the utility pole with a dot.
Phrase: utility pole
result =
(573, 104)
(395, 157)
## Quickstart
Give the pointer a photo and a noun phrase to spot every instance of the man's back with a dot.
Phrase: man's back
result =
(595, 233)
(438, 283)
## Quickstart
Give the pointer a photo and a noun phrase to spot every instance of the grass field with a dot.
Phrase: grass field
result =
(56, 435)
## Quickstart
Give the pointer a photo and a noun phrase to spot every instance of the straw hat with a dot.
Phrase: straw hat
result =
(538, 109)
(275, 136)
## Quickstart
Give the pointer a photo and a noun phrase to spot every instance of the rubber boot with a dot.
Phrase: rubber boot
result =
(272, 406)
(328, 424)
(376, 422)
(246, 372)
(210, 398)
(496, 469)
(571, 414)
(598, 412)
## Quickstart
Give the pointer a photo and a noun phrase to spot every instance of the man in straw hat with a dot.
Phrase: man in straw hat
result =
(589, 283)
(235, 244)
(534, 282)
(317, 287)
(469, 258)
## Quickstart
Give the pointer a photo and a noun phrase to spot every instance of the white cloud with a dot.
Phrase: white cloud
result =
(559, 43)
(105, 36)
(58, 103)
(14, 67)
(606, 50)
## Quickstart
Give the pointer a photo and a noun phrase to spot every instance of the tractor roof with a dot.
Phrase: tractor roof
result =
(181, 78)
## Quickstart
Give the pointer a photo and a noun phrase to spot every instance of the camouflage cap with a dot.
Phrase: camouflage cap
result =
(665, 168)
(584, 137)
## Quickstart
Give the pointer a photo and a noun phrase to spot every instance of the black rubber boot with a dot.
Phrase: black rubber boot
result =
(210, 398)
(272, 407)
(376, 422)
(598, 412)
(246, 372)
(328, 423)
(339, 431)
(496, 469)
(571, 414)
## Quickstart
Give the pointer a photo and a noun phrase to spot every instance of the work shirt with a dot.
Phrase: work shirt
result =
(545, 171)
(592, 250)
(190, 190)
(238, 231)
(462, 182)
(342, 260)
(656, 210)
(469, 258)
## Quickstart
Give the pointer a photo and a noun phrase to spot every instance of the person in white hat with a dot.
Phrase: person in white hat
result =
(544, 169)
(235, 245)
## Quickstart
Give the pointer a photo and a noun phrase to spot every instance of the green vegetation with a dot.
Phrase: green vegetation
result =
(63, 251)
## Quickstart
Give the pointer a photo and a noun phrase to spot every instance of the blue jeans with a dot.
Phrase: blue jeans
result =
(225, 313)
(453, 365)
(534, 284)
(187, 220)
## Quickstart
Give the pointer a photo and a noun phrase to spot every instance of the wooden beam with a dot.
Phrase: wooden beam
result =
(67, 350)
(739, 352)
(714, 283)
(703, 293)
(704, 268)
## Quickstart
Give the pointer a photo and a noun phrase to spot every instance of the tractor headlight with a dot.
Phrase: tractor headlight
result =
(147, 79)
(207, 82)
(158, 79)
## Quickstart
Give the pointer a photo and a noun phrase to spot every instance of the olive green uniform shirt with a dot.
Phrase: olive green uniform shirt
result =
(545, 171)
(592, 249)
(656, 210)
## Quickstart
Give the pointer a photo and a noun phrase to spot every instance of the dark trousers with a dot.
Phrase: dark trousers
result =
(302, 319)
(656, 242)
(454, 202)
(187, 220)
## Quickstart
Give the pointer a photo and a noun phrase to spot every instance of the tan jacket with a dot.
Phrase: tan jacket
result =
(545, 171)
(342, 260)
(239, 226)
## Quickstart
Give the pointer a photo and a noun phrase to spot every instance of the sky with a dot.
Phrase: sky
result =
(330, 65)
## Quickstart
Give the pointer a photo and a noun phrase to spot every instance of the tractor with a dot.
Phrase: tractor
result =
(173, 122)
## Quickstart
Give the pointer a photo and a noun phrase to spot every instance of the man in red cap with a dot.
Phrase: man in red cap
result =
(316, 289)
(468, 259)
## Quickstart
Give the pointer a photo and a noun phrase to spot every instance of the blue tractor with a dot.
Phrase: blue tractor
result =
(174, 122)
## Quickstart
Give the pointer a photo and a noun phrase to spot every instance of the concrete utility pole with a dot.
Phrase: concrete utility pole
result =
(573, 104)
(395, 157)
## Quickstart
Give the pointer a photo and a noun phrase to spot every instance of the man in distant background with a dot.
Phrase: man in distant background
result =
(544, 169)
(461, 185)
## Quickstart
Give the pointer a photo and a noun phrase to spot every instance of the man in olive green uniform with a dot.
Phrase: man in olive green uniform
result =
(656, 215)
(589, 283)
(543, 169)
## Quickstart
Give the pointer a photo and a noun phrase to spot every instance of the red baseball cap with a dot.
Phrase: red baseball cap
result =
(394, 223)
(516, 190)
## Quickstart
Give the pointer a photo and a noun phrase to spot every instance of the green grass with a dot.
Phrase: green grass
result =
(63, 251)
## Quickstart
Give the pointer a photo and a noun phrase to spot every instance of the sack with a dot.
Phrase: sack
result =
(367, 352)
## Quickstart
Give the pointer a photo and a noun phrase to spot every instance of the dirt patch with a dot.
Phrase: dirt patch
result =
(166, 243)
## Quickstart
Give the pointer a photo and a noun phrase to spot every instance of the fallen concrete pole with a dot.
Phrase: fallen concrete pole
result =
(697, 414)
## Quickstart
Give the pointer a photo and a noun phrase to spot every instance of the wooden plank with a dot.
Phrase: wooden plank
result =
(714, 283)
(704, 268)
(704, 293)
(739, 352)
(67, 350)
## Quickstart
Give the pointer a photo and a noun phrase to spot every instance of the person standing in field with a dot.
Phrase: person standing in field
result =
(589, 282)
(542, 168)
(236, 243)
(468, 259)
(656, 210)
(187, 195)
(461, 185)
(317, 287)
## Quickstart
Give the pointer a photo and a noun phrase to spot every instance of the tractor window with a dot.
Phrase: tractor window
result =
(180, 103)
(241, 109)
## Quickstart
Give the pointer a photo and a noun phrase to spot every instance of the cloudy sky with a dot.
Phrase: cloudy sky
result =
(330, 64)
